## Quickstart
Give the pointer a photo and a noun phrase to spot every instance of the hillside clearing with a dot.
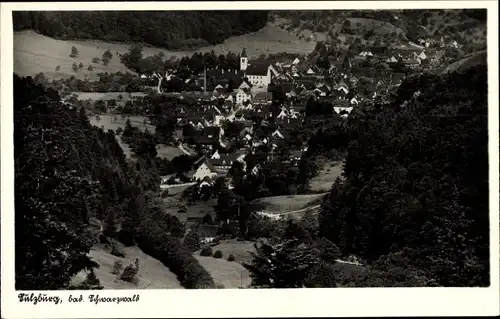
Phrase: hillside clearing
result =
(35, 53)
(230, 274)
(288, 203)
(113, 122)
(326, 177)
(152, 273)
(240, 249)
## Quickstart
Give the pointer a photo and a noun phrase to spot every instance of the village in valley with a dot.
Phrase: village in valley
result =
(223, 149)
(227, 111)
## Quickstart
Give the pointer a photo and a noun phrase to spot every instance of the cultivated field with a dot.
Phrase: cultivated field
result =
(326, 177)
(230, 274)
(152, 273)
(289, 203)
(34, 53)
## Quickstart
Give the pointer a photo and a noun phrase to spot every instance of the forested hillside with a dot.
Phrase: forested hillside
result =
(168, 29)
(466, 26)
(68, 172)
(416, 189)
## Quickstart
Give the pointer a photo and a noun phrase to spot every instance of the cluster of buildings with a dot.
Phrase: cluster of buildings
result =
(253, 92)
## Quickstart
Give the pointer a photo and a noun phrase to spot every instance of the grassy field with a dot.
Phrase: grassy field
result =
(326, 177)
(152, 273)
(34, 53)
(230, 274)
(240, 249)
(287, 203)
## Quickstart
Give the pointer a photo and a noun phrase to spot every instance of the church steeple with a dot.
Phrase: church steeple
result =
(243, 60)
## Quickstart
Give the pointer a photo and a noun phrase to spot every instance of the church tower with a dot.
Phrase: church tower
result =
(243, 60)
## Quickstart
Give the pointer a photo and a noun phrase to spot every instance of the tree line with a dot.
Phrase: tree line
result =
(167, 29)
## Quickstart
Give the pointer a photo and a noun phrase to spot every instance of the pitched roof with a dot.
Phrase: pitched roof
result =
(258, 69)
(244, 53)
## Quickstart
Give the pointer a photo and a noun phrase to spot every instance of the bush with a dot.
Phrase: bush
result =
(90, 68)
(206, 251)
(117, 267)
(130, 274)
(231, 257)
(218, 254)
(96, 60)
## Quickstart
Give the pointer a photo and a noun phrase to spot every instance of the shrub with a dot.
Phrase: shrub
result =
(58, 68)
(130, 274)
(90, 68)
(74, 52)
(220, 286)
(231, 257)
(80, 65)
(218, 254)
(96, 60)
(206, 251)
(117, 267)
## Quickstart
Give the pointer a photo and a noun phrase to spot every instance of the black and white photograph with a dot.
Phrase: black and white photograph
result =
(250, 149)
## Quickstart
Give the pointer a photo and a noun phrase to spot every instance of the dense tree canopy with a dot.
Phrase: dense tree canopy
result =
(417, 181)
(167, 29)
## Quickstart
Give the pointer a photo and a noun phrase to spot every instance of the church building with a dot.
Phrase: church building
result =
(259, 72)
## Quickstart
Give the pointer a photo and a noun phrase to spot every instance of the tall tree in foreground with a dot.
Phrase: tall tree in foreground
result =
(286, 265)
(54, 197)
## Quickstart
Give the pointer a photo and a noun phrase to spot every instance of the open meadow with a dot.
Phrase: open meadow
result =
(326, 177)
(289, 203)
(230, 274)
(35, 53)
(152, 273)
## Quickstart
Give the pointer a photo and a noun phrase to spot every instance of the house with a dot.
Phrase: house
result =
(209, 135)
(223, 162)
(277, 134)
(339, 109)
(206, 233)
(242, 96)
(354, 101)
(262, 98)
(204, 170)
